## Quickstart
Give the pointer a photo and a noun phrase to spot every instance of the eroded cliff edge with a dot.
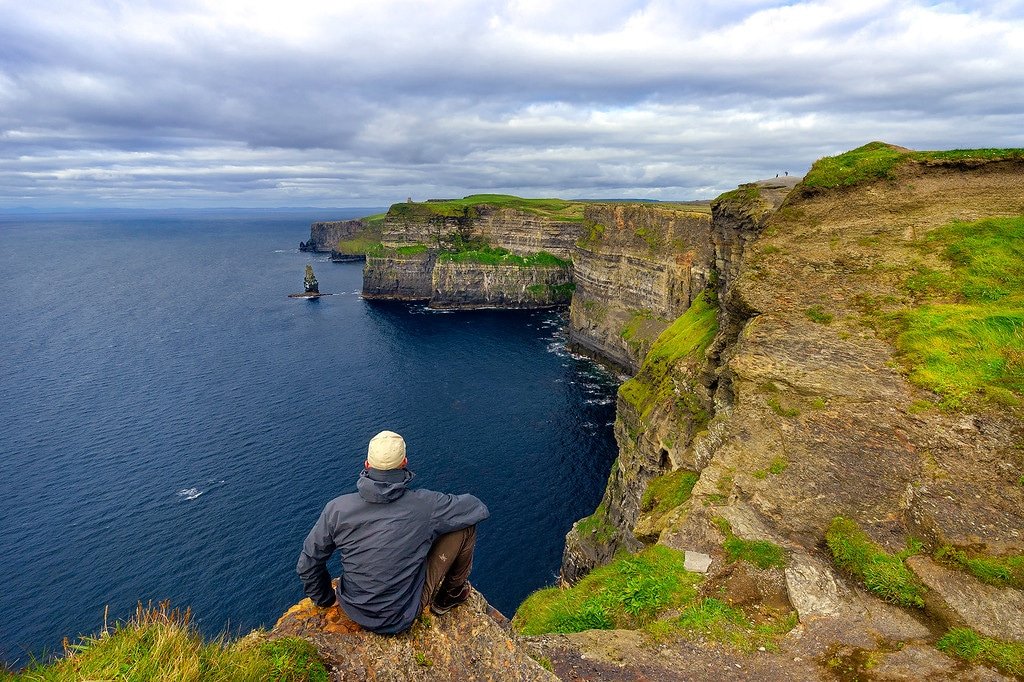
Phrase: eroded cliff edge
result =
(845, 405)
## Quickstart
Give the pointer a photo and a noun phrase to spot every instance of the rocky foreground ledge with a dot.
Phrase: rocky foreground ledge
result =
(471, 642)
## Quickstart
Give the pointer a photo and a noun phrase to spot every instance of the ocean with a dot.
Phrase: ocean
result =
(171, 424)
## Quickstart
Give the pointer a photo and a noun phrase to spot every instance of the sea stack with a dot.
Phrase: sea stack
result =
(310, 283)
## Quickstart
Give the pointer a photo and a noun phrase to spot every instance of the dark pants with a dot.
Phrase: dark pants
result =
(449, 563)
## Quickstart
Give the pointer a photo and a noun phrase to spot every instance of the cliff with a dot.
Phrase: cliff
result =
(521, 226)
(481, 251)
(838, 443)
(636, 267)
(324, 236)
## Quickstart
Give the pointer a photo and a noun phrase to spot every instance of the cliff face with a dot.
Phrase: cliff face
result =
(660, 410)
(838, 421)
(637, 268)
(324, 236)
(394, 276)
(523, 232)
(477, 252)
(475, 285)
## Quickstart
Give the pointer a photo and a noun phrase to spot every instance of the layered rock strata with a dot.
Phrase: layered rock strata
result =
(655, 433)
(477, 285)
(398, 277)
(637, 267)
(520, 231)
(417, 238)
(324, 236)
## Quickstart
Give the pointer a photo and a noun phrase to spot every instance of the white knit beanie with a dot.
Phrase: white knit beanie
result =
(386, 451)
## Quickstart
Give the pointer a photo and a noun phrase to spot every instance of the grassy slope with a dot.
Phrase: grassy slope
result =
(162, 644)
(649, 590)
(879, 161)
(966, 338)
(687, 337)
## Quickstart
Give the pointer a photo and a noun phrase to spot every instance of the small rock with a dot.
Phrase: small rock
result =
(697, 562)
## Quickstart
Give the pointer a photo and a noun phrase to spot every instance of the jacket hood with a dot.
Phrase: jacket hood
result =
(381, 487)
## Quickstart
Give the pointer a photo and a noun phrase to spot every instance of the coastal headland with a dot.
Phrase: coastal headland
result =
(821, 444)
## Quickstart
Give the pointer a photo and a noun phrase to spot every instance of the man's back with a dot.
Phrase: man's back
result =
(384, 533)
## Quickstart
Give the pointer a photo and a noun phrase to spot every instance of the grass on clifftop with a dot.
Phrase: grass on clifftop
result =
(687, 337)
(492, 255)
(555, 209)
(879, 571)
(378, 250)
(969, 646)
(966, 338)
(878, 161)
(160, 643)
(364, 240)
(627, 593)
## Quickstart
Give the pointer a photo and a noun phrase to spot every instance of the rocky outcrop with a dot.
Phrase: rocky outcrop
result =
(471, 642)
(324, 236)
(311, 286)
(637, 267)
(477, 285)
(964, 601)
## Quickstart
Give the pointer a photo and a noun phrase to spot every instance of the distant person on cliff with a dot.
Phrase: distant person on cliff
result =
(401, 549)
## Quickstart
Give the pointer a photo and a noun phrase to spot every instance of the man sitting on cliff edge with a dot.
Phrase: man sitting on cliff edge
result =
(401, 549)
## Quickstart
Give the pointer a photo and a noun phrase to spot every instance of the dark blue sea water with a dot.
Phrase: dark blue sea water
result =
(171, 424)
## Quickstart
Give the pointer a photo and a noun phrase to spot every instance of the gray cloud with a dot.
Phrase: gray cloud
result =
(235, 103)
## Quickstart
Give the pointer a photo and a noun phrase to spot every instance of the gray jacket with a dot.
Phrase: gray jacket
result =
(384, 533)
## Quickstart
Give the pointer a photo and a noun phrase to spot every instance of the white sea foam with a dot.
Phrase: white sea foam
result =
(195, 492)
(190, 493)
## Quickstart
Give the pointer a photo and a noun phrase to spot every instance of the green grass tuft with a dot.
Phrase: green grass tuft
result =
(717, 620)
(778, 408)
(817, 314)
(597, 526)
(381, 251)
(627, 593)
(882, 573)
(774, 468)
(1005, 571)
(668, 491)
(744, 193)
(162, 643)
(969, 646)
(687, 337)
(760, 553)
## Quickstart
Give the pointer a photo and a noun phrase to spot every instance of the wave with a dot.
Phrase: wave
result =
(195, 492)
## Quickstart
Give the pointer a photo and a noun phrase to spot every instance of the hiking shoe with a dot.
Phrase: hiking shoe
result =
(446, 600)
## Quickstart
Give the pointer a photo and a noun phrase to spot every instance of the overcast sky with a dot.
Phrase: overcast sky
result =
(167, 103)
